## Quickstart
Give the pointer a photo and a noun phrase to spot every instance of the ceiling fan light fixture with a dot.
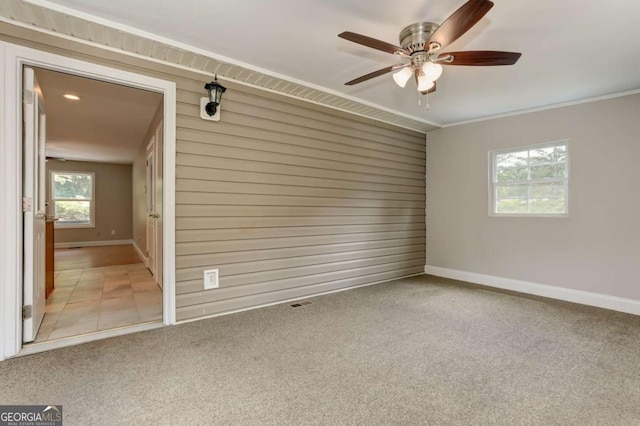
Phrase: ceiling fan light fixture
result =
(424, 83)
(402, 76)
(432, 71)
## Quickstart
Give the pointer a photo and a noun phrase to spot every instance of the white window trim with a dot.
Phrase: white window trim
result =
(492, 186)
(92, 201)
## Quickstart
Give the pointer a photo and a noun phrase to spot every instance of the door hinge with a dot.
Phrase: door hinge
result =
(27, 311)
(27, 96)
(27, 204)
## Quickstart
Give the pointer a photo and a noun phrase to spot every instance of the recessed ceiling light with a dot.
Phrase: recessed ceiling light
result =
(71, 97)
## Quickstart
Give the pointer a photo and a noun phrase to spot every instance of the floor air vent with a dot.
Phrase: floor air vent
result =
(298, 304)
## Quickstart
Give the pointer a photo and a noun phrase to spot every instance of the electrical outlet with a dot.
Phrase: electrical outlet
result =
(113, 232)
(211, 279)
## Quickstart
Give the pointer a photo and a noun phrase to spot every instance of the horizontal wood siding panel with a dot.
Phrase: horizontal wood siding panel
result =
(332, 132)
(263, 101)
(189, 210)
(231, 135)
(222, 199)
(330, 180)
(197, 186)
(209, 235)
(279, 241)
(269, 222)
(387, 136)
(287, 198)
(295, 277)
(328, 183)
(221, 258)
(257, 271)
(270, 142)
(186, 311)
(307, 109)
(247, 166)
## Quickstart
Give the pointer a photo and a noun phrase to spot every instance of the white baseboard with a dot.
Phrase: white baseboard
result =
(613, 303)
(142, 256)
(93, 243)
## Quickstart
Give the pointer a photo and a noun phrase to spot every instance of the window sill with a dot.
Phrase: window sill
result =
(59, 225)
(531, 215)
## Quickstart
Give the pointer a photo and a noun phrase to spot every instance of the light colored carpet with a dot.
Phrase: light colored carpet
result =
(418, 351)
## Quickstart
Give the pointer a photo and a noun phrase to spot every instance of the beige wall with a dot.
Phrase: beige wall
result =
(286, 198)
(596, 249)
(112, 197)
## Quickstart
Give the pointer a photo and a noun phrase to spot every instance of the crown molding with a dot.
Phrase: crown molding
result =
(544, 108)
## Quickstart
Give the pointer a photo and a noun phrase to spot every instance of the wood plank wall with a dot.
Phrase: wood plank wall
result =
(285, 198)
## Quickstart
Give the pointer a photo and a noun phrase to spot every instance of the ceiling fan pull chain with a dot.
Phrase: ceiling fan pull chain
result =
(426, 95)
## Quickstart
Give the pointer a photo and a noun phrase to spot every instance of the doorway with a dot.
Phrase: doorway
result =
(16, 246)
(94, 136)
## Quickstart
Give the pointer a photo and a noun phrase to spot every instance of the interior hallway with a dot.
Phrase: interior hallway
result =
(99, 288)
(95, 257)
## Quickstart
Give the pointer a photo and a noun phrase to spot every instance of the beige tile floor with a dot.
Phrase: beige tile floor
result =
(89, 300)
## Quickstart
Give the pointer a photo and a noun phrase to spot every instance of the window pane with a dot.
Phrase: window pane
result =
(555, 189)
(542, 155)
(561, 170)
(73, 212)
(512, 191)
(546, 205)
(512, 159)
(511, 206)
(72, 185)
(561, 153)
(543, 172)
(531, 180)
(511, 174)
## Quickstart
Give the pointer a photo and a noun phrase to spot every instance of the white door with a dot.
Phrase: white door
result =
(159, 148)
(33, 193)
(151, 195)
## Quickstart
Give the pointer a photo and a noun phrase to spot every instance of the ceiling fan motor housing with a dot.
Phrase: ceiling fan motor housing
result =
(414, 36)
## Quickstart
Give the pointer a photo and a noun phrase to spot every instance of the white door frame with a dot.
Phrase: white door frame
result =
(12, 58)
(150, 198)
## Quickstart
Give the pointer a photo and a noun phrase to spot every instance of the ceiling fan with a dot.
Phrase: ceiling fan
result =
(421, 44)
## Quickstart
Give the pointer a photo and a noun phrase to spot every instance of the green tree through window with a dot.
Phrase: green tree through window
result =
(531, 180)
(72, 196)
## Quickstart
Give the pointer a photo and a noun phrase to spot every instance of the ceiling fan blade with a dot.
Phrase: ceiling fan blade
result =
(433, 89)
(375, 74)
(371, 42)
(460, 22)
(482, 58)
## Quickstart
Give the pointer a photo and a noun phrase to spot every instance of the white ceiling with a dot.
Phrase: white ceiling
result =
(107, 125)
(572, 49)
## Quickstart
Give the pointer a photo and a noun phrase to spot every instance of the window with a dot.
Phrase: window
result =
(72, 196)
(530, 181)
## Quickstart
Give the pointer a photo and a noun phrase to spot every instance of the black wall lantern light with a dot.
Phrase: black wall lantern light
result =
(212, 103)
